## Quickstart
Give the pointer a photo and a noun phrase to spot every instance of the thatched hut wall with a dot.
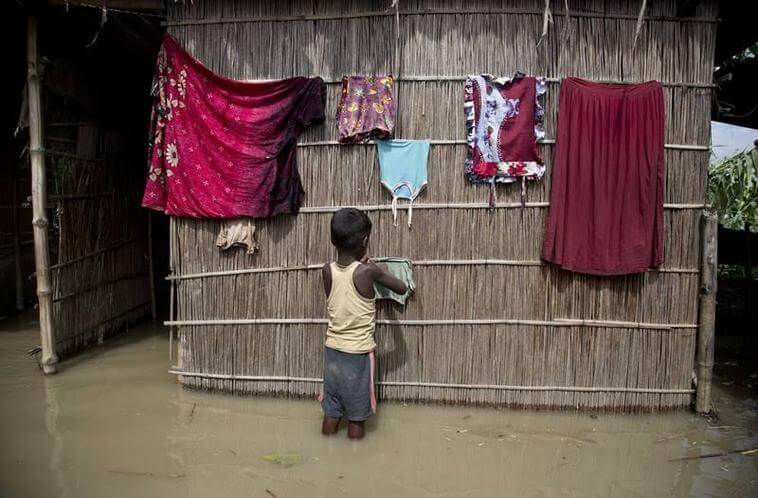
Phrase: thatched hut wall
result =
(501, 335)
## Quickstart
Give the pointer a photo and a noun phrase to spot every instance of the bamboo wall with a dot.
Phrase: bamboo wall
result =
(642, 359)
(101, 278)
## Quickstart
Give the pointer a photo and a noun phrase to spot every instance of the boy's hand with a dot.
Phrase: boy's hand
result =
(384, 277)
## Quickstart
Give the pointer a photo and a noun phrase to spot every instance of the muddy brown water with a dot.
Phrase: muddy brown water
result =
(114, 423)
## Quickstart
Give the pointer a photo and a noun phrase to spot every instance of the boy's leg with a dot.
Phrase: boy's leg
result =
(356, 430)
(360, 404)
(331, 403)
(330, 425)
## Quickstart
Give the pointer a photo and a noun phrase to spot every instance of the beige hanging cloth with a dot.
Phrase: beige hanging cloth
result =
(237, 232)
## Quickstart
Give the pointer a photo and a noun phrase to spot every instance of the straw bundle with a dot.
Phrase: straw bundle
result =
(519, 351)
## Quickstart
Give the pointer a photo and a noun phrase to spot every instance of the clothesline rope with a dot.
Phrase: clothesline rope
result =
(441, 385)
(558, 322)
(450, 262)
(430, 78)
(469, 205)
(322, 143)
(424, 78)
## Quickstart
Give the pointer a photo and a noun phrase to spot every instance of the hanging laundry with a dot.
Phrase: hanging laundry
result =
(366, 110)
(606, 200)
(504, 120)
(237, 232)
(222, 148)
(401, 269)
(402, 170)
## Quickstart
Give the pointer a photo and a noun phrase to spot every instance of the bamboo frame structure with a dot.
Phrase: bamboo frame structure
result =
(40, 222)
(101, 279)
(489, 323)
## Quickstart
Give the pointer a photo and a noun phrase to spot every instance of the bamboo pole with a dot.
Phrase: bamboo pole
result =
(172, 291)
(39, 204)
(439, 262)
(442, 385)
(151, 269)
(706, 326)
(424, 12)
(558, 322)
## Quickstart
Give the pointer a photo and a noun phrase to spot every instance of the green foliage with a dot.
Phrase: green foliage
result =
(733, 190)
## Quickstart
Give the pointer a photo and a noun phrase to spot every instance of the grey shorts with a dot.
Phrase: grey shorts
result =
(348, 385)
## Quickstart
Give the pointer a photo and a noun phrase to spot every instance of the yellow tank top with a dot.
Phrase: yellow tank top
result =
(351, 316)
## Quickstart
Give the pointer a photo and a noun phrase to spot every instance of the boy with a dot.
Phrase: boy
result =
(349, 348)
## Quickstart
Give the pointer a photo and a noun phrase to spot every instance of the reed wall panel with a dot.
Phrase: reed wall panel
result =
(438, 234)
(564, 356)
(100, 278)
(443, 41)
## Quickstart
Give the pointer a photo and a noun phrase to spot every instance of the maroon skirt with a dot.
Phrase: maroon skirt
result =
(606, 199)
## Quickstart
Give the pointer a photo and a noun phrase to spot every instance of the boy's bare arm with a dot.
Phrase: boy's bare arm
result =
(387, 279)
(326, 274)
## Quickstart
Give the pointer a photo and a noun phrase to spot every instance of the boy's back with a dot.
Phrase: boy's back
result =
(352, 314)
(349, 362)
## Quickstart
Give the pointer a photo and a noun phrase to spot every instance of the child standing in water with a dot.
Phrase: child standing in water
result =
(349, 350)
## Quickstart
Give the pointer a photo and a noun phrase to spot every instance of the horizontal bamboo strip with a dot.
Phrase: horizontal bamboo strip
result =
(563, 322)
(547, 141)
(467, 205)
(99, 284)
(429, 12)
(70, 156)
(78, 197)
(316, 380)
(104, 322)
(439, 262)
(98, 252)
(633, 325)
(243, 271)
(61, 140)
(65, 124)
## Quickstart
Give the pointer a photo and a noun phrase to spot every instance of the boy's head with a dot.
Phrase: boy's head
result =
(350, 231)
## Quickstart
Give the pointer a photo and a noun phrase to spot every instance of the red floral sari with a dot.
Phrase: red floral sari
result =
(222, 148)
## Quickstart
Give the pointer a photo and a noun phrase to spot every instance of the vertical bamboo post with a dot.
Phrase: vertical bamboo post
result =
(17, 242)
(39, 204)
(150, 262)
(707, 319)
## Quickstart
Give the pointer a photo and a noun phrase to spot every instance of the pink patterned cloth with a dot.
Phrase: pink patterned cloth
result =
(366, 110)
(223, 148)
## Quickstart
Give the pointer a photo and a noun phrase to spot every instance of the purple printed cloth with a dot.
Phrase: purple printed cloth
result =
(366, 110)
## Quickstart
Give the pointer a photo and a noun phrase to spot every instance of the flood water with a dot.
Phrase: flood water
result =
(114, 423)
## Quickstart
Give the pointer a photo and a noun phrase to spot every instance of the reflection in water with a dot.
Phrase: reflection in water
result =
(130, 430)
(52, 411)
